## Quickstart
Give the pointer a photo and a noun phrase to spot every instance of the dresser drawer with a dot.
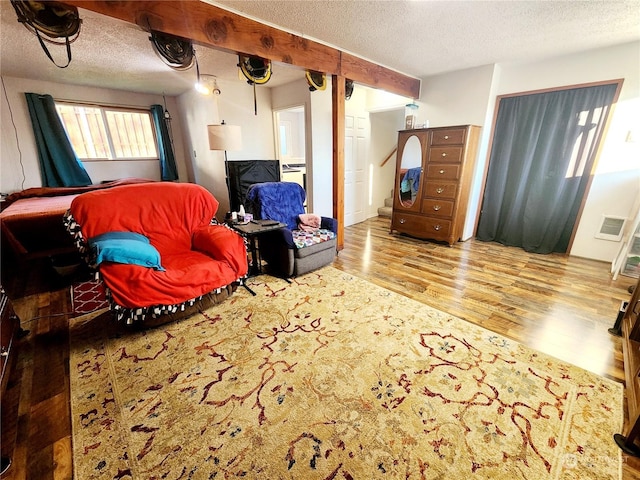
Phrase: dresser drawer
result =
(440, 189)
(445, 154)
(451, 136)
(443, 172)
(437, 208)
(437, 228)
(422, 226)
(407, 223)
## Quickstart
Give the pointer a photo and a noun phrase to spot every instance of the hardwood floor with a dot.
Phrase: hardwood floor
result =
(556, 304)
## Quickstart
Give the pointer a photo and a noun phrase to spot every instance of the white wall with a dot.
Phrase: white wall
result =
(295, 137)
(18, 147)
(290, 95)
(321, 191)
(379, 101)
(235, 107)
(297, 94)
(384, 138)
(456, 98)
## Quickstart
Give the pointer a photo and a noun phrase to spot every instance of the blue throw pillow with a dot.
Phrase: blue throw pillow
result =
(125, 247)
(118, 236)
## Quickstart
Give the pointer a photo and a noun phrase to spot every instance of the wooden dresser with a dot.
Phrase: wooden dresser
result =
(631, 350)
(436, 208)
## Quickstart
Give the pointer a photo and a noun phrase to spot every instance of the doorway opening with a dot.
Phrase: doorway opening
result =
(543, 153)
(291, 145)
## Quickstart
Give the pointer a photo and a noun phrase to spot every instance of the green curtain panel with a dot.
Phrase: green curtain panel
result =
(168, 170)
(543, 152)
(59, 165)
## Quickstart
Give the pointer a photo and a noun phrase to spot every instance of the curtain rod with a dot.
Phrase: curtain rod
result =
(99, 104)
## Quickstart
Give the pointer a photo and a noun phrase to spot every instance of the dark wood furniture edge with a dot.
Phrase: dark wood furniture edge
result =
(10, 332)
(631, 354)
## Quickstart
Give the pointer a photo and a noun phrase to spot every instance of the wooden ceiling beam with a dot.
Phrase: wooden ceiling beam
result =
(212, 26)
(372, 75)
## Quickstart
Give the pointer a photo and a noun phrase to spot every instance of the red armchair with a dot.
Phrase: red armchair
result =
(198, 263)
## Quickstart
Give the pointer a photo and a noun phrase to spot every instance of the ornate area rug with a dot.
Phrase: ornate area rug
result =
(331, 377)
(87, 297)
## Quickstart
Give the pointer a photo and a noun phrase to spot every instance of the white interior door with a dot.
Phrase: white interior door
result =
(356, 143)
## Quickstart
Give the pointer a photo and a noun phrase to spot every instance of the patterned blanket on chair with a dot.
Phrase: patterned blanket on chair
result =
(305, 239)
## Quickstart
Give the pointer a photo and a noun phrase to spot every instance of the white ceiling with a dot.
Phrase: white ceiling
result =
(418, 38)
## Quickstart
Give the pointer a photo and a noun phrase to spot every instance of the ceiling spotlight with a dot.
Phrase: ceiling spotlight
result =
(207, 85)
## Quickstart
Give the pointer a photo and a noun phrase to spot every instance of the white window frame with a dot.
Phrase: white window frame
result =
(110, 145)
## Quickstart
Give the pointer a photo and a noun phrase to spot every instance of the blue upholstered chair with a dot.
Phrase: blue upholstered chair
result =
(290, 251)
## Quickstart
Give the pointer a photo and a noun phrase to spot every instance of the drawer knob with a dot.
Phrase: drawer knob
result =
(437, 207)
(402, 220)
(444, 154)
(437, 227)
(439, 190)
(441, 171)
(446, 137)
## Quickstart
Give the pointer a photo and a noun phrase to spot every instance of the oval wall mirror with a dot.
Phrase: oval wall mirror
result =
(410, 170)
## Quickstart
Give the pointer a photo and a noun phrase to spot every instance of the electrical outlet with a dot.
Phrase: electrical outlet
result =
(632, 137)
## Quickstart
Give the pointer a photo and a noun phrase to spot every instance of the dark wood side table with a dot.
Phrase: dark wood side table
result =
(252, 231)
(9, 332)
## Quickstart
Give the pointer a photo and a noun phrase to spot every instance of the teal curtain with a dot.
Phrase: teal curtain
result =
(168, 170)
(59, 165)
(543, 151)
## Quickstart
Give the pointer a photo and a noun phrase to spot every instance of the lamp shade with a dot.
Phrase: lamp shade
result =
(224, 137)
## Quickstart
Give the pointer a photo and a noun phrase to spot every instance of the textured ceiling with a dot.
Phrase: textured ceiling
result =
(418, 38)
(422, 38)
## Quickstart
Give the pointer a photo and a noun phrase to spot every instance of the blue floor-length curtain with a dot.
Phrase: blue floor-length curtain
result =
(168, 170)
(59, 165)
(541, 159)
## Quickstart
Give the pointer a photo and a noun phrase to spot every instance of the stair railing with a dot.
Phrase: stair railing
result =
(395, 149)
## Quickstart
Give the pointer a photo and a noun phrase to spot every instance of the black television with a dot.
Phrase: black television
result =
(244, 173)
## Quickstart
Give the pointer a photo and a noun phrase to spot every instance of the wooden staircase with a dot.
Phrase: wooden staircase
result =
(388, 207)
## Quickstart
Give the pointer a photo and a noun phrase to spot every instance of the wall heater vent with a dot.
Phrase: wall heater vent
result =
(611, 228)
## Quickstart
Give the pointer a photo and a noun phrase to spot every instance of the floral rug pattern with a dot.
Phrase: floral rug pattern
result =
(331, 377)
